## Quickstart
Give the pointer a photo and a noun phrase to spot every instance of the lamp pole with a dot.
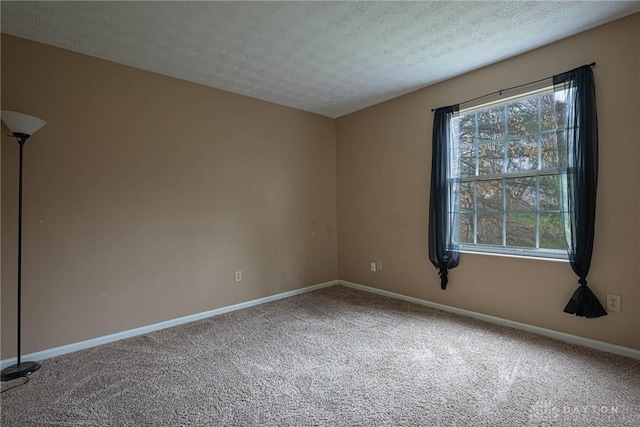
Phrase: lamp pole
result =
(22, 127)
(22, 138)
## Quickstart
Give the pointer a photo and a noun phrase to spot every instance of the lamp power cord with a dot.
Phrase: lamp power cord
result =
(26, 377)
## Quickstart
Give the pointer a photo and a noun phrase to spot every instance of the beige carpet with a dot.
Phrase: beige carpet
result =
(331, 357)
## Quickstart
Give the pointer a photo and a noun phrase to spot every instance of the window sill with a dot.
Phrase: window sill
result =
(536, 258)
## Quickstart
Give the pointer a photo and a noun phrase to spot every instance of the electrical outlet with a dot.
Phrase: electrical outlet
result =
(378, 265)
(238, 276)
(614, 303)
(373, 266)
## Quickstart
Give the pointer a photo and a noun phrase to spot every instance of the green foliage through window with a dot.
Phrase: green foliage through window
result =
(511, 171)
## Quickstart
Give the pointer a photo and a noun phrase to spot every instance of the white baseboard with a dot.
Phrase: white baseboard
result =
(57, 351)
(561, 336)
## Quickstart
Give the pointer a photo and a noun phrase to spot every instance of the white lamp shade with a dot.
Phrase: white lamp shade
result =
(21, 123)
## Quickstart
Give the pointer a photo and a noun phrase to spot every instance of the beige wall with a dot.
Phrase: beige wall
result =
(384, 161)
(144, 193)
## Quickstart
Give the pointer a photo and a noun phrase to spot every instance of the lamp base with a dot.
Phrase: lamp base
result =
(19, 370)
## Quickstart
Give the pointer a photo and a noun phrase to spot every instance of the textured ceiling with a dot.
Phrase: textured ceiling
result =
(331, 58)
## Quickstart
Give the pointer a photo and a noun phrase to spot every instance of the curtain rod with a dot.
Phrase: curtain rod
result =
(499, 92)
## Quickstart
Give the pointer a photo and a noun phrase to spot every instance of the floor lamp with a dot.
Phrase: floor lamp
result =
(22, 126)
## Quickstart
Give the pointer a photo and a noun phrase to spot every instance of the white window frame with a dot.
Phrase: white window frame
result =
(504, 249)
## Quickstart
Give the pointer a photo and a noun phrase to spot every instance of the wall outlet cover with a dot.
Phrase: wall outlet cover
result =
(614, 303)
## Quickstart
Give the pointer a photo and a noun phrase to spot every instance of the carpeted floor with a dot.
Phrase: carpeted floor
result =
(336, 356)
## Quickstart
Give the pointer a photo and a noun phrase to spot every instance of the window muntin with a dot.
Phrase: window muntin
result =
(511, 172)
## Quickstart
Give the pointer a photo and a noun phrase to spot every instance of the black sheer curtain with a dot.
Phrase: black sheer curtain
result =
(578, 143)
(442, 254)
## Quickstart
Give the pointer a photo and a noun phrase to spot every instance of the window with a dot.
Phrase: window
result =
(510, 169)
(519, 177)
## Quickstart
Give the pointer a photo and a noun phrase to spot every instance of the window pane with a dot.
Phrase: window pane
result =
(549, 193)
(467, 160)
(548, 113)
(511, 159)
(523, 117)
(523, 155)
(489, 195)
(467, 128)
(563, 146)
(549, 152)
(521, 194)
(562, 107)
(551, 231)
(466, 196)
(491, 158)
(521, 230)
(490, 229)
(491, 125)
(466, 228)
